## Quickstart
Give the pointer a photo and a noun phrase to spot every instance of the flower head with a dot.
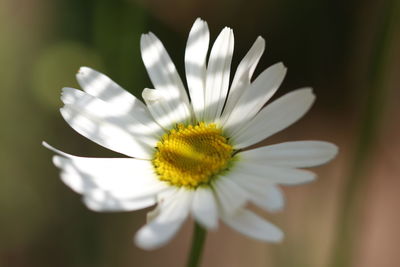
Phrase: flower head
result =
(186, 153)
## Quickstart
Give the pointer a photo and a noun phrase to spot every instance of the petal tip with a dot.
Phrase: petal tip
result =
(260, 39)
(143, 38)
(210, 225)
(46, 145)
(55, 150)
(69, 95)
(227, 30)
(260, 43)
(334, 150)
(309, 91)
(143, 241)
(281, 65)
(82, 71)
(199, 20)
(151, 95)
(57, 161)
(278, 237)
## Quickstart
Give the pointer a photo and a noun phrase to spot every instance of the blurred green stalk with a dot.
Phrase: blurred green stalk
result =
(199, 236)
(369, 129)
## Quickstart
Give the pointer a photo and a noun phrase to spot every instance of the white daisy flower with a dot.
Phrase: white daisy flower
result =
(186, 153)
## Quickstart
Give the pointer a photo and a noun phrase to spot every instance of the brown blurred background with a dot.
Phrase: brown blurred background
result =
(348, 51)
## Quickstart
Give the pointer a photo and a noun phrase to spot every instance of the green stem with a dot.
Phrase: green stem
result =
(199, 236)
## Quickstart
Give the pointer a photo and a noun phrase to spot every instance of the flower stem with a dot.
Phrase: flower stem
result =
(199, 236)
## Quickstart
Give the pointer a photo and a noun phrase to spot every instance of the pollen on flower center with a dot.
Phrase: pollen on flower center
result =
(192, 155)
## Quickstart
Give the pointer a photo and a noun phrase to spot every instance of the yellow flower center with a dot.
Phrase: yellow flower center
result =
(192, 155)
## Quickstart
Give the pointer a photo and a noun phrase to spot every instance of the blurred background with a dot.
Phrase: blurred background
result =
(348, 51)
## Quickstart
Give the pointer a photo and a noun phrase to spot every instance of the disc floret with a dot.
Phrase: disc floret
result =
(192, 155)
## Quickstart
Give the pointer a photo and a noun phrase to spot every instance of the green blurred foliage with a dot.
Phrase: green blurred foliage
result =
(54, 67)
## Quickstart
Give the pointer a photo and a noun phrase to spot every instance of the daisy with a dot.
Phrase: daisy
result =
(187, 154)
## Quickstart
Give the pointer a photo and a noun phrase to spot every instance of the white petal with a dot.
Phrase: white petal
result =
(299, 154)
(251, 225)
(254, 98)
(262, 172)
(107, 125)
(161, 229)
(175, 206)
(151, 215)
(195, 64)
(123, 178)
(270, 199)
(243, 75)
(275, 117)
(153, 236)
(261, 192)
(204, 208)
(165, 77)
(230, 196)
(161, 198)
(102, 201)
(118, 177)
(86, 180)
(218, 71)
(102, 87)
(156, 102)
